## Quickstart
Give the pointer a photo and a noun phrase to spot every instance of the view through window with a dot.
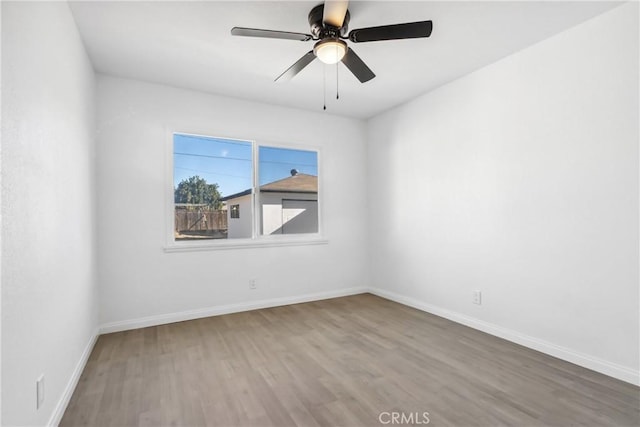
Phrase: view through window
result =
(288, 191)
(214, 193)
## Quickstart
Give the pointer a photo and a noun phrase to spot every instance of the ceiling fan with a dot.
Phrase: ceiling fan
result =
(329, 25)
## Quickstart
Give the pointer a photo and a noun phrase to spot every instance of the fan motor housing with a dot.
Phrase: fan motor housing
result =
(319, 30)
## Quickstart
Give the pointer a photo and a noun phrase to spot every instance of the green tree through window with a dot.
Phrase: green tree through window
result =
(196, 190)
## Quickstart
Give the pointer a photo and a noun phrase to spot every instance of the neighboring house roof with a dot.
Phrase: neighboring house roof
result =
(298, 183)
(236, 195)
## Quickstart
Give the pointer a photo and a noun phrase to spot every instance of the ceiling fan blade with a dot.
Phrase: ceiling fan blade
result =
(269, 34)
(297, 67)
(357, 66)
(410, 30)
(334, 12)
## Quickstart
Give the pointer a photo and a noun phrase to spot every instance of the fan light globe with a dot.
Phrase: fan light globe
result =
(330, 51)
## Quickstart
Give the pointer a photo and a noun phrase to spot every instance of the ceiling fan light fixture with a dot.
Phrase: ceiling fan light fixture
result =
(330, 51)
(329, 25)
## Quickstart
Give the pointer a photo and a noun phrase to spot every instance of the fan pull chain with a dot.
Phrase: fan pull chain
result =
(337, 86)
(324, 87)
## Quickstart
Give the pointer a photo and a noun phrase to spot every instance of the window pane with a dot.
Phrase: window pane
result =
(235, 211)
(288, 191)
(209, 175)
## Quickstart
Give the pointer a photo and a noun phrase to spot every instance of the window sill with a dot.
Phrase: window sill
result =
(242, 244)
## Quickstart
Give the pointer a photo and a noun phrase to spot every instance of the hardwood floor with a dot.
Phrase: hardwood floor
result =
(342, 362)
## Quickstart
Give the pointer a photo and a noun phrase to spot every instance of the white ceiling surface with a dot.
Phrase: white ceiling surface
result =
(188, 45)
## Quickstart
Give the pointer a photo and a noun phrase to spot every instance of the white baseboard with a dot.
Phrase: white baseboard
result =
(595, 364)
(162, 319)
(58, 412)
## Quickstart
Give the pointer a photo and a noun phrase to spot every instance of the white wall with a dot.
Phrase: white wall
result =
(138, 279)
(240, 228)
(49, 310)
(521, 180)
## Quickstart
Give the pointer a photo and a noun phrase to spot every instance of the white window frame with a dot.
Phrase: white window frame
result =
(257, 240)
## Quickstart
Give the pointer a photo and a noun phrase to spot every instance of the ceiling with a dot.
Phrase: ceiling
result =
(188, 44)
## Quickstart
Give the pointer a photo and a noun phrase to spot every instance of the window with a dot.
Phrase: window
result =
(288, 191)
(214, 179)
(204, 171)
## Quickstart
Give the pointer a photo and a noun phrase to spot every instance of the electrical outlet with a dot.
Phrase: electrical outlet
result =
(477, 297)
(252, 284)
(39, 391)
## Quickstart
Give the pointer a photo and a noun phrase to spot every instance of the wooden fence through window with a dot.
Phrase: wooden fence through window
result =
(190, 221)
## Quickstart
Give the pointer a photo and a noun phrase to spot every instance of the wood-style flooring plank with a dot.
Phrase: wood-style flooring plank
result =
(337, 362)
